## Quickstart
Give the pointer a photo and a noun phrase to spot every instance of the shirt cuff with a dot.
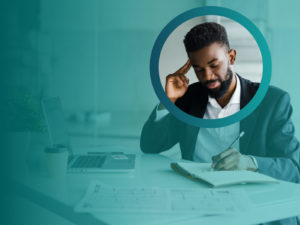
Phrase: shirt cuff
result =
(160, 113)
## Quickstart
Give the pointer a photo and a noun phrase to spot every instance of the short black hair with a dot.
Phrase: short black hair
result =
(205, 34)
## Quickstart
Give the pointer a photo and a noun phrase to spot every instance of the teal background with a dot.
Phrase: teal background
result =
(88, 50)
(95, 55)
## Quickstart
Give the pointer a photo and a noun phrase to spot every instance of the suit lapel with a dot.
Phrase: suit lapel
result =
(198, 108)
(247, 125)
(191, 135)
(245, 95)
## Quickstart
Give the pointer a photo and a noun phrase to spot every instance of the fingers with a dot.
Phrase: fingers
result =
(178, 80)
(185, 80)
(185, 68)
(225, 160)
(222, 155)
(228, 163)
(177, 83)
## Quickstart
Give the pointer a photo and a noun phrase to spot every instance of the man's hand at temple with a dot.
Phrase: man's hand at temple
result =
(177, 83)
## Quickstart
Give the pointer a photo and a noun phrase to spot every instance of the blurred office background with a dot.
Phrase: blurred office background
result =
(95, 56)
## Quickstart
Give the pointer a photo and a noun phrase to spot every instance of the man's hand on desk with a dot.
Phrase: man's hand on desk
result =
(231, 159)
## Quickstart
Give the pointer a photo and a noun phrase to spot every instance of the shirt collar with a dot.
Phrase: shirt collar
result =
(235, 98)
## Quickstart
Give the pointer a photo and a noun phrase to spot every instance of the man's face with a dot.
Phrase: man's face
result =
(212, 67)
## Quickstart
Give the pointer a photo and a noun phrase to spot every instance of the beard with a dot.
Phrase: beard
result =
(223, 87)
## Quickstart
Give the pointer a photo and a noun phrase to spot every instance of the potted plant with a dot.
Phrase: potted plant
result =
(22, 116)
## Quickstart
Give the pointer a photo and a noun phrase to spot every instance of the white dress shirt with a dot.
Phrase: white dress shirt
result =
(215, 111)
(212, 141)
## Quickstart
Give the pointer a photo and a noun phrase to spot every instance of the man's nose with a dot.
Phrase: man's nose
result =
(208, 74)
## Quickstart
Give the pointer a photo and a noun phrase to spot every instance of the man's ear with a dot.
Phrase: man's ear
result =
(232, 55)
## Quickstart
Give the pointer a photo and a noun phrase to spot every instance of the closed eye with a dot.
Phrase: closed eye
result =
(198, 69)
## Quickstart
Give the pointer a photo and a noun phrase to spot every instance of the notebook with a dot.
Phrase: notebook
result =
(204, 172)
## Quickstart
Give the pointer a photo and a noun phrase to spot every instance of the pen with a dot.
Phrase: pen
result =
(236, 139)
(230, 146)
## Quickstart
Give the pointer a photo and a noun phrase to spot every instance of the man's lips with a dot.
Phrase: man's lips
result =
(213, 85)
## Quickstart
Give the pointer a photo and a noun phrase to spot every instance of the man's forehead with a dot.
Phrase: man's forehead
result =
(208, 54)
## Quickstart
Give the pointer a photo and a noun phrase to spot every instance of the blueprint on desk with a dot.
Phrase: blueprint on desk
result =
(101, 198)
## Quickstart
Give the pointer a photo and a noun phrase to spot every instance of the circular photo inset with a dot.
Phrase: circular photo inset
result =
(210, 68)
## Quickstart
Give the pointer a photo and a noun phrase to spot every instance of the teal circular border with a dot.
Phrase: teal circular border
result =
(203, 11)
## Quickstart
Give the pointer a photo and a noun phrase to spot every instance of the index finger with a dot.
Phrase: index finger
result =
(185, 68)
(222, 155)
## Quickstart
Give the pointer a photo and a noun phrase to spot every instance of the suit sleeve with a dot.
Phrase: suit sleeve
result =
(160, 135)
(283, 151)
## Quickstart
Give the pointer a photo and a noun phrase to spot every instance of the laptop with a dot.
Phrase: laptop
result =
(90, 162)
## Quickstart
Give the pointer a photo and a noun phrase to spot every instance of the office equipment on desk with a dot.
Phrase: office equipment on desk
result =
(101, 198)
(204, 172)
(100, 162)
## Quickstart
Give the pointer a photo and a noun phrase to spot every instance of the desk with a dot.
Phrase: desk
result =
(272, 201)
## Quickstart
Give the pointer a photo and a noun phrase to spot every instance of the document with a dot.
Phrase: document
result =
(204, 172)
(100, 198)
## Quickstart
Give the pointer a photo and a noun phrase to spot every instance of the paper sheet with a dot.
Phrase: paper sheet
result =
(100, 198)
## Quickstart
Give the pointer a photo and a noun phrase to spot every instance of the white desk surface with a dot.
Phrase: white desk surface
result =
(272, 201)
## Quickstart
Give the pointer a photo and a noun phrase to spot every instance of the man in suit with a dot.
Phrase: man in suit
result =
(210, 55)
(268, 146)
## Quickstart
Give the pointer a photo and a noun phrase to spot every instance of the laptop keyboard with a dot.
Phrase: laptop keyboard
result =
(89, 162)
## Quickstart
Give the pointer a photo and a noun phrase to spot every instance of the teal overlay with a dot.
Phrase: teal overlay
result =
(203, 11)
(95, 56)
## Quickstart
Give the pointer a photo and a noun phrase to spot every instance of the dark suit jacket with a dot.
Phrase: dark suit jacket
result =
(269, 137)
(195, 100)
